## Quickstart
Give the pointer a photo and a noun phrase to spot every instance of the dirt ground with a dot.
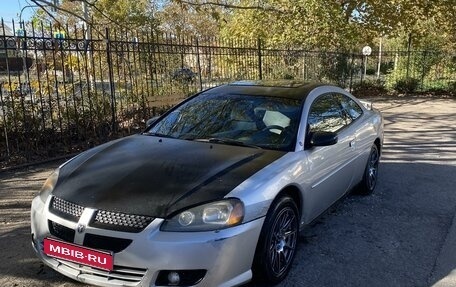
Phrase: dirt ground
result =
(395, 237)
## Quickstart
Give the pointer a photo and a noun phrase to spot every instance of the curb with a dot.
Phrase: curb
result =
(37, 163)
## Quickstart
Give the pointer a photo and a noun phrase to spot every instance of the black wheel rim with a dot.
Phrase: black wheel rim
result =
(283, 241)
(372, 169)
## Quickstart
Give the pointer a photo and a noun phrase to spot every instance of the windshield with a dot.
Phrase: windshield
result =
(260, 121)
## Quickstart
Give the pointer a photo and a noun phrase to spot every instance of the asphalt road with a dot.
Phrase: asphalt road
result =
(402, 235)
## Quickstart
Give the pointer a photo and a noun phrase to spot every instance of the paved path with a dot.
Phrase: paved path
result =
(402, 235)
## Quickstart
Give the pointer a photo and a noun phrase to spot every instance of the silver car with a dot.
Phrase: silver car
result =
(213, 193)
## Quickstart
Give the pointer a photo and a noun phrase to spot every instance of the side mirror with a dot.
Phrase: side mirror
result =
(323, 139)
(150, 121)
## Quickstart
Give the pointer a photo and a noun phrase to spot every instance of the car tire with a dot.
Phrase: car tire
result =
(370, 176)
(277, 244)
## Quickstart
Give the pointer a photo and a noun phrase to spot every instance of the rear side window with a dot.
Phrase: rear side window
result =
(350, 107)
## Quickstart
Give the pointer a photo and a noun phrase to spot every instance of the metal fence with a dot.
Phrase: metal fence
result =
(61, 93)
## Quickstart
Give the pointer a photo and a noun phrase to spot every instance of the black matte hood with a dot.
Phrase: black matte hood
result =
(155, 176)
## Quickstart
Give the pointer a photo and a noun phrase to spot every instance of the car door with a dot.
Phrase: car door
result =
(330, 175)
(361, 131)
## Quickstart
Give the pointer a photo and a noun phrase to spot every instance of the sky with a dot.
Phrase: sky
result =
(10, 9)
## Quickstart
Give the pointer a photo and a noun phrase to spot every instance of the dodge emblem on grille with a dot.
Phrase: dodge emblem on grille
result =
(81, 228)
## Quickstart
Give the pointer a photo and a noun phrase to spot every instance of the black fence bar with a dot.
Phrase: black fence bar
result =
(60, 95)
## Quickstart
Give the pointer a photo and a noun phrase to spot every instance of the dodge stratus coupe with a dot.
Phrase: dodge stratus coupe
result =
(213, 193)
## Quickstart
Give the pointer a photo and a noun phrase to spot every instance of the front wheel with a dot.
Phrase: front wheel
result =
(370, 177)
(277, 244)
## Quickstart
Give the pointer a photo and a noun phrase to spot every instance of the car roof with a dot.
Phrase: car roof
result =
(291, 89)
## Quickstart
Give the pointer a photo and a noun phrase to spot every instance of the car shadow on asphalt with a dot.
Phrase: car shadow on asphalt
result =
(391, 238)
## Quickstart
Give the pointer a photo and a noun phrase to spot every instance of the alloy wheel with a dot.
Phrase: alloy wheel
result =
(372, 169)
(283, 240)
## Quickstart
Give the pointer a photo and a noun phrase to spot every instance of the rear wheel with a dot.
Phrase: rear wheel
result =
(367, 185)
(277, 244)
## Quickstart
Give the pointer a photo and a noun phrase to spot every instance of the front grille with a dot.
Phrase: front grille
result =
(121, 221)
(106, 243)
(66, 209)
(117, 221)
(60, 231)
(120, 276)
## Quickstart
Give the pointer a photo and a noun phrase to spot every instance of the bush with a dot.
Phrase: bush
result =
(184, 76)
(334, 68)
(369, 89)
(452, 88)
(406, 85)
(371, 71)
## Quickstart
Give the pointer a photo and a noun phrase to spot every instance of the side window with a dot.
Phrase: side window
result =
(350, 107)
(326, 115)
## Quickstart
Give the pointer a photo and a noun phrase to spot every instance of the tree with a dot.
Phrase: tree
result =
(189, 21)
(311, 24)
(100, 14)
(334, 24)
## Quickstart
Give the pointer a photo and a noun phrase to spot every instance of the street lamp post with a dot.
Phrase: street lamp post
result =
(21, 23)
(22, 34)
(366, 52)
(379, 58)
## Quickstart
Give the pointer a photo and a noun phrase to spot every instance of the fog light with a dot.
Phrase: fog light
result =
(173, 278)
(179, 277)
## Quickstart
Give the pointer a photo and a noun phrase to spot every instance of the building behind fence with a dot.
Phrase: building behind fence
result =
(61, 93)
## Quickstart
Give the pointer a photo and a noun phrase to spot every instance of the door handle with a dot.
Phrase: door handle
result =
(352, 143)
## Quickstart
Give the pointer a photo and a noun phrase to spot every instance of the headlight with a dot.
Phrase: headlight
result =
(49, 185)
(207, 217)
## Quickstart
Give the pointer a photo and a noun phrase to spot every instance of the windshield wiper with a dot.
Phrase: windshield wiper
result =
(158, 135)
(227, 142)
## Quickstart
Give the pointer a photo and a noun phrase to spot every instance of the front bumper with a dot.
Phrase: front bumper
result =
(227, 255)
